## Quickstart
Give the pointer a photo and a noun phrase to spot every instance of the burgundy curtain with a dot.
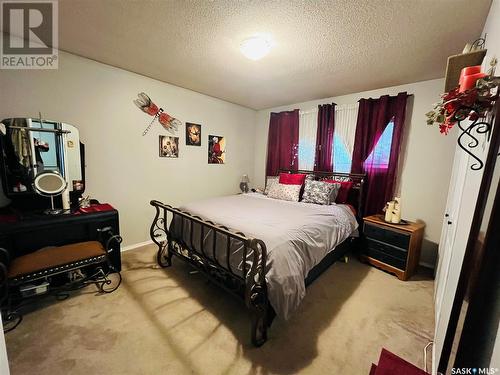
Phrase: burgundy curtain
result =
(282, 142)
(324, 138)
(373, 117)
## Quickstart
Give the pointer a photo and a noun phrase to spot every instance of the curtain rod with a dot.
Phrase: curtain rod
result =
(336, 106)
(32, 129)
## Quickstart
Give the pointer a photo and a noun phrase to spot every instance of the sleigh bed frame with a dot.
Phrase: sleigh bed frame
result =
(250, 285)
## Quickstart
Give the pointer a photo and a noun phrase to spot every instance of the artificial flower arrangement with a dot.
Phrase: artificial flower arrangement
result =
(471, 104)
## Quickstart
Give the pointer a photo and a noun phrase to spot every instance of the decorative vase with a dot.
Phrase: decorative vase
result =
(396, 212)
(389, 207)
(244, 183)
(244, 187)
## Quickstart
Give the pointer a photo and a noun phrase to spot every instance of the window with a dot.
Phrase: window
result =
(308, 126)
(341, 157)
(379, 157)
(343, 139)
(346, 116)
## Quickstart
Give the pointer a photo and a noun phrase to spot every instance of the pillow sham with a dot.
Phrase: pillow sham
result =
(345, 188)
(270, 181)
(320, 192)
(292, 178)
(285, 192)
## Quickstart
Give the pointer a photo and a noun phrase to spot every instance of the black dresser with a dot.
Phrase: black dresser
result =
(394, 248)
(23, 233)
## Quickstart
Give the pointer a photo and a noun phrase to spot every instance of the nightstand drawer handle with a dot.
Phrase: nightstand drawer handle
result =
(446, 215)
(449, 222)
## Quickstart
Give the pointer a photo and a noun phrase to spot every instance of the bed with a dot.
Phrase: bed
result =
(264, 251)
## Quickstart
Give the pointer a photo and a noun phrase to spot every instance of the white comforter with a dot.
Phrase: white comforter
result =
(297, 236)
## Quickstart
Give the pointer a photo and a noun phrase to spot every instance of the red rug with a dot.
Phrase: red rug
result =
(391, 364)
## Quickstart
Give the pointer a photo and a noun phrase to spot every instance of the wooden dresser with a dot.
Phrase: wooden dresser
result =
(392, 247)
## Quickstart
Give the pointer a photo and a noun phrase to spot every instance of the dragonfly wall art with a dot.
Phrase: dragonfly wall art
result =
(145, 104)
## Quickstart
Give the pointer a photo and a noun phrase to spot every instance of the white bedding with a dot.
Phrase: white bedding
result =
(297, 236)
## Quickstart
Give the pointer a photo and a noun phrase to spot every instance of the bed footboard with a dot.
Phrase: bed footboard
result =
(230, 259)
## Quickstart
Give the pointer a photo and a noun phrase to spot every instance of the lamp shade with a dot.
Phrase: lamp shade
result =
(245, 178)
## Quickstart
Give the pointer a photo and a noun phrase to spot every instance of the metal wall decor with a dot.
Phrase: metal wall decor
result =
(145, 104)
(468, 138)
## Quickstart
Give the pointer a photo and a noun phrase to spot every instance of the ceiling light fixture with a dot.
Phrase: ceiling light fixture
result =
(255, 48)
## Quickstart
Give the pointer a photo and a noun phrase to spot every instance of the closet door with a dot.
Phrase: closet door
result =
(450, 220)
(464, 190)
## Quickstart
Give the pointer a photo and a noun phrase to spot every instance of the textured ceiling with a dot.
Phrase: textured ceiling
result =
(322, 48)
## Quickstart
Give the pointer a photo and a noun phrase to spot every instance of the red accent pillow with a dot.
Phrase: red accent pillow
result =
(345, 188)
(292, 178)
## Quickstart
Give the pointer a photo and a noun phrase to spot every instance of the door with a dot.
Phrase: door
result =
(450, 220)
(464, 190)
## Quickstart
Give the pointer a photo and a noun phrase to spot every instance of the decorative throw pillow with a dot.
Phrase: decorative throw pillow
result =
(320, 192)
(345, 188)
(270, 181)
(292, 178)
(285, 192)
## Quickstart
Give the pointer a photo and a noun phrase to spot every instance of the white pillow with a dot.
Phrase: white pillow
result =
(285, 192)
(270, 181)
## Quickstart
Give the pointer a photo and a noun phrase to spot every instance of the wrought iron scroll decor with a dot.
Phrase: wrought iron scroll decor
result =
(468, 139)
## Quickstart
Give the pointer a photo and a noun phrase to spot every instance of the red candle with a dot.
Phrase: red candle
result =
(469, 81)
(467, 71)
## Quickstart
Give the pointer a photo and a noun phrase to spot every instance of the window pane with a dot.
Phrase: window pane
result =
(379, 157)
(306, 154)
(341, 157)
(308, 124)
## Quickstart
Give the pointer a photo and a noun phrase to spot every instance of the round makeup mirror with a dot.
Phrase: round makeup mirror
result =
(50, 184)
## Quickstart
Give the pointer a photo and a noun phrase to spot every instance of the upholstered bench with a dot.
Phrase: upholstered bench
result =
(45, 263)
(54, 260)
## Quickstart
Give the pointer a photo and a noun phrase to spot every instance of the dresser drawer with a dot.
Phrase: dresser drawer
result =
(392, 251)
(398, 239)
(385, 258)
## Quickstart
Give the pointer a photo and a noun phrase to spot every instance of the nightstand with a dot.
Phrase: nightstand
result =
(394, 248)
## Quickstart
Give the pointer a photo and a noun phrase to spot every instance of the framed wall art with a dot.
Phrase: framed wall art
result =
(169, 146)
(216, 149)
(193, 134)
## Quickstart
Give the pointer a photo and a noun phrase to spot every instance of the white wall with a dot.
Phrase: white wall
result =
(426, 164)
(123, 167)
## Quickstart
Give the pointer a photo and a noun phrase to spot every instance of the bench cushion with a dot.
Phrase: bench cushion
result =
(50, 257)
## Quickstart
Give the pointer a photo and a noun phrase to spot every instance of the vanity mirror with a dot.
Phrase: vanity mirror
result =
(30, 147)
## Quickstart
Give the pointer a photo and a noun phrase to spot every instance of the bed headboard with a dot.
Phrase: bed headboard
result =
(356, 195)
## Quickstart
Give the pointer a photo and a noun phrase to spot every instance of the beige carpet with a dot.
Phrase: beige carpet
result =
(166, 321)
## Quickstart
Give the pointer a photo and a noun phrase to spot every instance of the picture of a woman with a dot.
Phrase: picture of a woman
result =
(216, 149)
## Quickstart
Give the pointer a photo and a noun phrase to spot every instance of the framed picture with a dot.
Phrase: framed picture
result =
(169, 146)
(216, 149)
(193, 134)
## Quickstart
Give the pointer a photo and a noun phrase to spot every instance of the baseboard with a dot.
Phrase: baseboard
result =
(136, 245)
(426, 265)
